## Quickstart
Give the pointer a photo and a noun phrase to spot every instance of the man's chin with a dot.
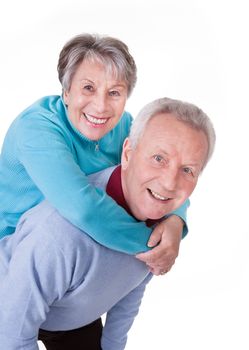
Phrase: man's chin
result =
(157, 216)
(161, 213)
(152, 214)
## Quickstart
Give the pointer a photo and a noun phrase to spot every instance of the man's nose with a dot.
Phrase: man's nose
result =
(170, 179)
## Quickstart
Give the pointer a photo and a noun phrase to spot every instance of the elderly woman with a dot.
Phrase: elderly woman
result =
(53, 144)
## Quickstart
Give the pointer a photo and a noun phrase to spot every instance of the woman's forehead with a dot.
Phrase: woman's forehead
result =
(114, 71)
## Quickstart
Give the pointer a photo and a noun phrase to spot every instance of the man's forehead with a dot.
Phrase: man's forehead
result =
(161, 119)
(166, 135)
(161, 128)
(166, 126)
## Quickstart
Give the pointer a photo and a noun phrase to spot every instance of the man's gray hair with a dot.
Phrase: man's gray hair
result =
(182, 111)
(109, 51)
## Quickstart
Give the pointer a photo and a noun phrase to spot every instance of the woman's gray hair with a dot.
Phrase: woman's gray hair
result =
(182, 111)
(110, 52)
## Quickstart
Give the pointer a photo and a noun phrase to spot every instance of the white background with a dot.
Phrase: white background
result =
(191, 50)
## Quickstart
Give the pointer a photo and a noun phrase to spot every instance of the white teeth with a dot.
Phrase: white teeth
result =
(95, 120)
(157, 196)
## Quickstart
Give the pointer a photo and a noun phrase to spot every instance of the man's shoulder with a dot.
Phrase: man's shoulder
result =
(41, 218)
(101, 178)
(44, 224)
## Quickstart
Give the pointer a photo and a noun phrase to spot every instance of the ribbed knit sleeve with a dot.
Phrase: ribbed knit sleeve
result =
(51, 164)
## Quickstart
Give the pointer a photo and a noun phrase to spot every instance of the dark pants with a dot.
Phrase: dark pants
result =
(84, 338)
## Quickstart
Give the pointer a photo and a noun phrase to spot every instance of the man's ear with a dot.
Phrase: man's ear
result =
(126, 153)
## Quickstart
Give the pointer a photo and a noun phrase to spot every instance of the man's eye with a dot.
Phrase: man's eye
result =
(188, 171)
(158, 158)
(114, 93)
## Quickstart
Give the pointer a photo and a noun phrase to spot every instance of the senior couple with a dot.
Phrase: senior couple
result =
(56, 280)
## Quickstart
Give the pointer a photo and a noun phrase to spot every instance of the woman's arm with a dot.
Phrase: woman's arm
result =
(51, 163)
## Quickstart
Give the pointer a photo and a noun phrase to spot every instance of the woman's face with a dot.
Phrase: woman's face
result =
(95, 100)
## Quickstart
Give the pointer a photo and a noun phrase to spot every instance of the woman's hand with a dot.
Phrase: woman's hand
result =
(167, 236)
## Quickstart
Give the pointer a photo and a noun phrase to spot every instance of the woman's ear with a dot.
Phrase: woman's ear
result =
(65, 97)
(126, 153)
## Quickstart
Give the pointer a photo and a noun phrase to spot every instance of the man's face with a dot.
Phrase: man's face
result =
(162, 171)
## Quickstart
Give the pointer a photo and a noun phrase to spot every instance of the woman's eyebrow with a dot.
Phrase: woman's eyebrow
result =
(87, 80)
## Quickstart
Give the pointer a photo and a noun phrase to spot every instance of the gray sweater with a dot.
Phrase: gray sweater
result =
(56, 278)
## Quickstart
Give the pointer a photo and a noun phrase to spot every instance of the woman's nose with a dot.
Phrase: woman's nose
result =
(100, 103)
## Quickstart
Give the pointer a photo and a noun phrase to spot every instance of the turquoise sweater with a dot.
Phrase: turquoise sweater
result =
(44, 156)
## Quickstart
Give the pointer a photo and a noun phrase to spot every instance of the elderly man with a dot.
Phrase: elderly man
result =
(55, 284)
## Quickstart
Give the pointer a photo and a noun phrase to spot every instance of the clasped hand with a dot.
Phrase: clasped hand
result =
(165, 239)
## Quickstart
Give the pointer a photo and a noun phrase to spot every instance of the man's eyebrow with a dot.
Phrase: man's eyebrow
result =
(162, 151)
(198, 165)
(191, 163)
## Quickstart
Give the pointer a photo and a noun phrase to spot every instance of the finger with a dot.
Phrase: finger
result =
(162, 267)
(155, 237)
(165, 266)
(153, 256)
(163, 272)
(156, 272)
(159, 271)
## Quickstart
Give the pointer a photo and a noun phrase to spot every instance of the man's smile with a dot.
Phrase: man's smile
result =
(158, 196)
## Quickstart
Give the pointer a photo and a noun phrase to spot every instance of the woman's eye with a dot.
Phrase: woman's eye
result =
(88, 87)
(114, 93)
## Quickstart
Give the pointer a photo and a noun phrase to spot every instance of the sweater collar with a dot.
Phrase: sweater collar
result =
(114, 190)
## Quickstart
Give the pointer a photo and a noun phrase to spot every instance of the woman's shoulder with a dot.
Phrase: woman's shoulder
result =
(45, 116)
(127, 117)
(124, 122)
(47, 105)
(45, 110)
